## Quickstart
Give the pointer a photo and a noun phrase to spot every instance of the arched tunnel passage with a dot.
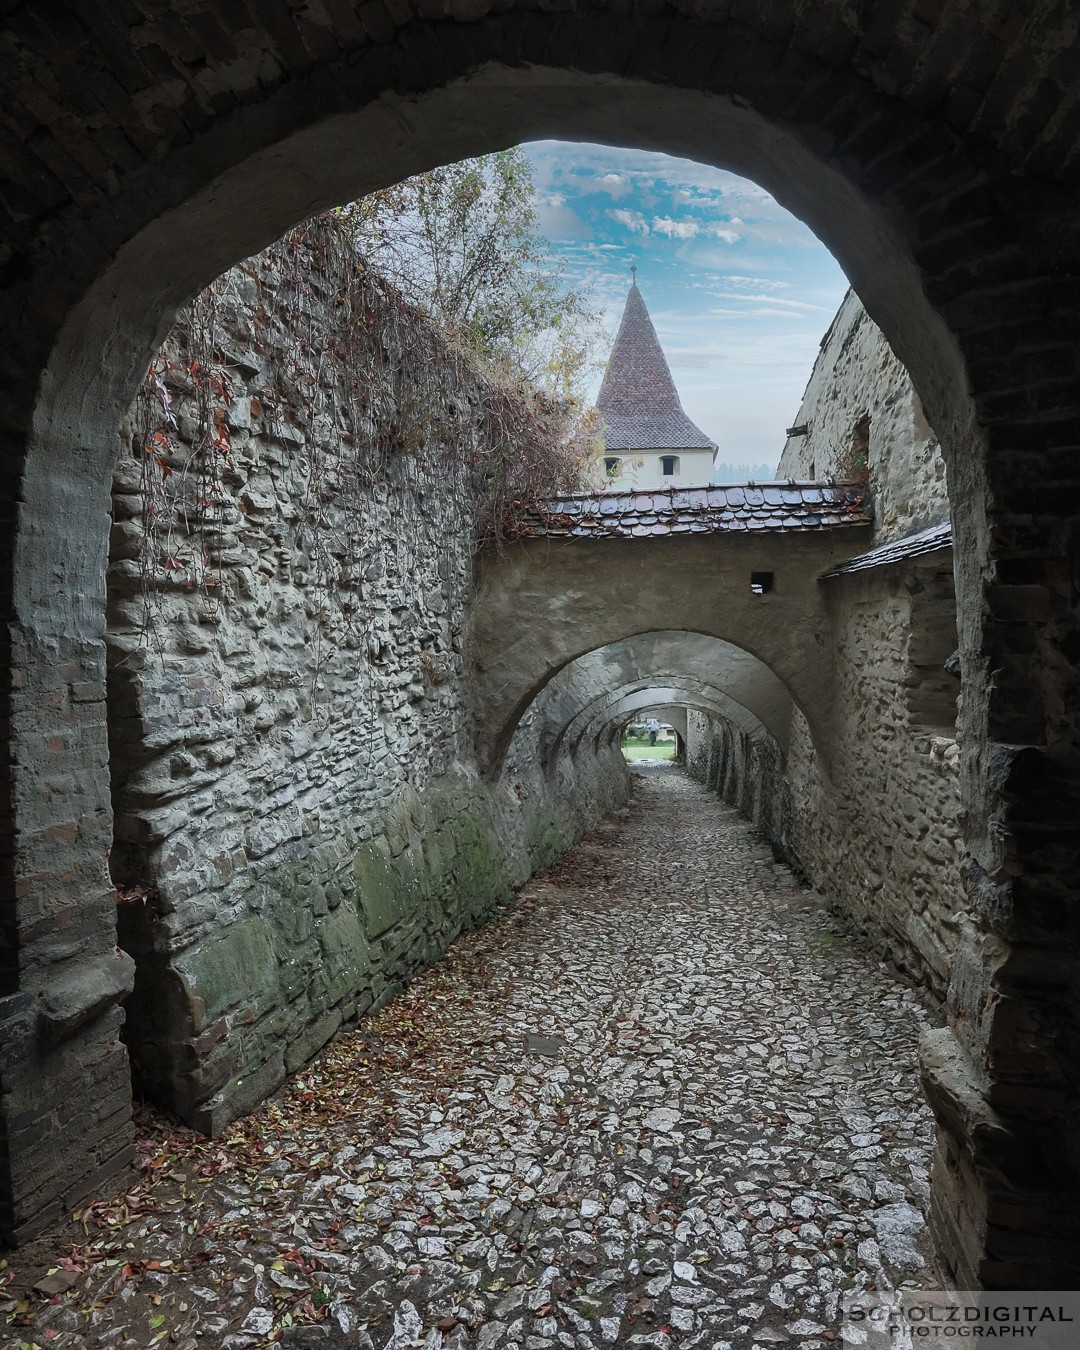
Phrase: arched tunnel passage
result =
(545, 603)
(726, 675)
(611, 713)
(94, 291)
(675, 690)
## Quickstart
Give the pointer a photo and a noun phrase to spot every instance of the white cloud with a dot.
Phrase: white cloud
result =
(763, 283)
(787, 233)
(774, 300)
(614, 184)
(725, 230)
(558, 221)
(675, 229)
(632, 220)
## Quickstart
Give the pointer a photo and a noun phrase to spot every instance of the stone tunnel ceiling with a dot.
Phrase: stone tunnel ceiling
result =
(674, 697)
(616, 705)
(545, 602)
(669, 704)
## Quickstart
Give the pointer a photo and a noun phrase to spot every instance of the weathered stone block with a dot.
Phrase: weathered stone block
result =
(241, 1095)
(228, 968)
(312, 1040)
(77, 998)
(383, 882)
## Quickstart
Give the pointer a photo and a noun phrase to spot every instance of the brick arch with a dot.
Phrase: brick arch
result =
(931, 147)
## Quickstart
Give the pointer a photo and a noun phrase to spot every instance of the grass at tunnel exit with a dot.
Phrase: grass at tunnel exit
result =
(632, 752)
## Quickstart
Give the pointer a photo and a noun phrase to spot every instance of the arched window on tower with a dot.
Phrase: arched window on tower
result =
(669, 466)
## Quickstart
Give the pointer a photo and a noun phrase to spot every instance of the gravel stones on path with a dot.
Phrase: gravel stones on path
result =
(661, 1102)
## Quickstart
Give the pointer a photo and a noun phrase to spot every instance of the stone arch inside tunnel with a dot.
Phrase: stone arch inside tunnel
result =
(545, 604)
(592, 690)
(667, 708)
(944, 189)
(667, 702)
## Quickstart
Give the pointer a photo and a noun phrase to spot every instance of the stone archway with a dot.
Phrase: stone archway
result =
(735, 683)
(933, 155)
(672, 696)
(545, 605)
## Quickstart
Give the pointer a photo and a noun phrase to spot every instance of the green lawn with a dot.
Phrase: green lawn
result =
(665, 750)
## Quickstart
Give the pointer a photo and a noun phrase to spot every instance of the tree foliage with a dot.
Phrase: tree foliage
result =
(462, 242)
(743, 473)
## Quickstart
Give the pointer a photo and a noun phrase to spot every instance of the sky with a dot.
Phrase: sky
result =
(740, 291)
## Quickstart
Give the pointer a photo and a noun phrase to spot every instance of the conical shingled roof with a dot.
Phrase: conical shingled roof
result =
(638, 399)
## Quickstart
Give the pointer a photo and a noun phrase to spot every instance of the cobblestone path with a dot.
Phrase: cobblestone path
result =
(661, 1103)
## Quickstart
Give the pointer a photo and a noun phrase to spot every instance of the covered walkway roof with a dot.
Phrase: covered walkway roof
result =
(723, 508)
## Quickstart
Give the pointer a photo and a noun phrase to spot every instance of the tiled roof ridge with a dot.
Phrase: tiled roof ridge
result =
(673, 490)
(627, 433)
(929, 539)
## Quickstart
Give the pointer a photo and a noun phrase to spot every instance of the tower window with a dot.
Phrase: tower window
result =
(611, 465)
(669, 465)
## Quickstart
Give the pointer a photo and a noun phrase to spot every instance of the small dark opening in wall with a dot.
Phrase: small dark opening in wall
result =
(761, 583)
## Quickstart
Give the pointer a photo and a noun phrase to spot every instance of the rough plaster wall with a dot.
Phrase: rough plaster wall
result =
(299, 825)
(856, 374)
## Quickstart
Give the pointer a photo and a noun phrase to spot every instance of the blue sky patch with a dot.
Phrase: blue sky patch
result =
(739, 290)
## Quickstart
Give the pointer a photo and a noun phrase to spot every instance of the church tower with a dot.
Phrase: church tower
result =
(648, 441)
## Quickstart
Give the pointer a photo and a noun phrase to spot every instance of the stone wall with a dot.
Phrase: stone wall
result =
(742, 767)
(872, 817)
(860, 394)
(299, 823)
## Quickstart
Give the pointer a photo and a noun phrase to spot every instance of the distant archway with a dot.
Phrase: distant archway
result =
(731, 680)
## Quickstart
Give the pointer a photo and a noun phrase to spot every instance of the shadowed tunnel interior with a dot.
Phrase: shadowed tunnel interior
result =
(602, 688)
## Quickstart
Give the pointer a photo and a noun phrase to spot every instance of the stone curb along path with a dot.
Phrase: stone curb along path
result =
(660, 1103)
